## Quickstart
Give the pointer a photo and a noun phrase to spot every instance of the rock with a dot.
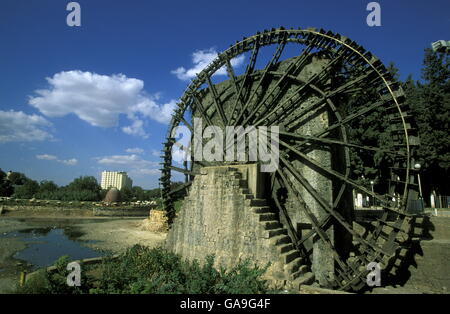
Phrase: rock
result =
(157, 222)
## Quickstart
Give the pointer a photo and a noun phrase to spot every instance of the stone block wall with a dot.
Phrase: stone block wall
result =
(221, 216)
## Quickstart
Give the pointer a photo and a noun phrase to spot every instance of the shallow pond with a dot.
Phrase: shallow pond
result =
(46, 244)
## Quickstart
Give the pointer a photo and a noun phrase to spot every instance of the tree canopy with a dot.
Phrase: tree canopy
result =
(430, 104)
(6, 188)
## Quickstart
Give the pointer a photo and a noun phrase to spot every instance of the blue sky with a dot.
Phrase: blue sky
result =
(78, 100)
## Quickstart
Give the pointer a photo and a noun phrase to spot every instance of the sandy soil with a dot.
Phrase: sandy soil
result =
(117, 235)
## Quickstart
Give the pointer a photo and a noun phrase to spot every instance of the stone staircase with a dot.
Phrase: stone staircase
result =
(295, 270)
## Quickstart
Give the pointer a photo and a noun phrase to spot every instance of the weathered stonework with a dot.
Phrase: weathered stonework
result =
(220, 216)
(313, 122)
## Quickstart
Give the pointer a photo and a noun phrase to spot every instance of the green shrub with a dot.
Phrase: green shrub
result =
(145, 270)
(55, 282)
(156, 271)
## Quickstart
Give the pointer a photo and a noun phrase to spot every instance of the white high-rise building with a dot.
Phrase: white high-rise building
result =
(115, 179)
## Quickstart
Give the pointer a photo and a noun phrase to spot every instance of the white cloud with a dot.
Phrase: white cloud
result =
(135, 150)
(17, 126)
(149, 108)
(136, 128)
(130, 161)
(134, 164)
(200, 59)
(68, 162)
(100, 99)
(46, 157)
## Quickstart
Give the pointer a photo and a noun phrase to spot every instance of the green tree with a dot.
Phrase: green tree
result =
(84, 183)
(153, 193)
(430, 103)
(126, 194)
(27, 190)
(47, 186)
(17, 178)
(138, 193)
(6, 188)
(369, 129)
(84, 188)
(48, 190)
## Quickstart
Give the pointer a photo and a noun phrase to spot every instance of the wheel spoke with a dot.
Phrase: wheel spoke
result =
(180, 188)
(187, 124)
(297, 95)
(275, 187)
(198, 106)
(324, 140)
(329, 209)
(316, 166)
(316, 225)
(292, 67)
(232, 76)
(185, 171)
(351, 117)
(248, 71)
(217, 102)
(269, 65)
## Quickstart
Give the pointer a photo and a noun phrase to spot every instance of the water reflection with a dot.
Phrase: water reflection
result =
(47, 244)
(39, 231)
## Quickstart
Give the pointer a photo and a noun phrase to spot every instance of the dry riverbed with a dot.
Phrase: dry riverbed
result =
(119, 234)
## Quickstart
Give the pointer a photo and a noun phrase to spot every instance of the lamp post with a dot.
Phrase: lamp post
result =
(417, 166)
(373, 199)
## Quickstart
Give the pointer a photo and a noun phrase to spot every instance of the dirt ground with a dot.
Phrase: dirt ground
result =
(119, 234)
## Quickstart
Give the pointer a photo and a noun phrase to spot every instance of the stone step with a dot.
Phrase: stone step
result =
(243, 183)
(280, 239)
(267, 217)
(236, 175)
(276, 232)
(239, 182)
(262, 210)
(285, 247)
(248, 196)
(245, 191)
(293, 265)
(290, 256)
(256, 202)
(301, 271)
(305, 279)
(270, 225)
